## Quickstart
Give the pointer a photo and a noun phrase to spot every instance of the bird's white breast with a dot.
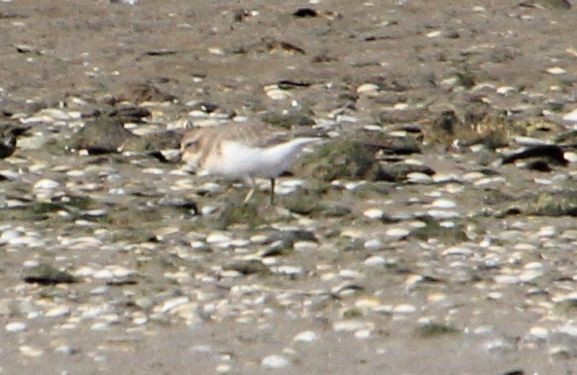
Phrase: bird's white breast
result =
(239, 160)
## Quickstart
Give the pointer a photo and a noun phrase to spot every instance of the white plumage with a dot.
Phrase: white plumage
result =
(242, 152)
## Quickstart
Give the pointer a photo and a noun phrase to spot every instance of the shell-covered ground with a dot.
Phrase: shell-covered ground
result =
(433, 231)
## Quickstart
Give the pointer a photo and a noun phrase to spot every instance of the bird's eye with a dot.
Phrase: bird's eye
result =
(191, 145)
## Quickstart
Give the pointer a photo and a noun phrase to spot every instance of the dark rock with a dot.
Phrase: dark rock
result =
(287, 120)
(547, 4)
(343, 159)
(433, 229)
(247, 267)
(45, 274)
(398, 172)
(395, 117)
(268, 44)
(392, 145)
(478, 127)
(305, 13)
(539, 166)
(432, 329)
(281, 242)
(239, 213)
(273, 45)
(130, 113)
(514, 372)
(312, 205)
(287, 84)
(142, 92)
(561, 203)
(553, 153)
(205, 107)
(103, 135)
(181, 203)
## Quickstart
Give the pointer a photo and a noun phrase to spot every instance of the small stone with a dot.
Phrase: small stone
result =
(277, 94)
(31, 351)
(458, 250)
(374, 244)
(15, 327)
(506, 279)
(275, 361)
(398, 233)
(571, 116)
(539, 332)
(46, 184)
(224, 368)
(290, 270)
(444, 203)
(58, 311)
(45, 274)
(505, 90)
(375, 261)
(547, 231)
(170, 304)
(556, 70)
(434, 34)
(570, 156)
(351, 325)
(363, 334)
(367, 88)
(374, 213)
(404, 309)
(305, 336)
(218, 237)
(419, 178)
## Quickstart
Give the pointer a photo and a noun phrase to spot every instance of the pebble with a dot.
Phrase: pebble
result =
(505, 90)
(444, 203)
(275, 93)
(224, 368)
(433, 34)
(351, 325)
(275, 361)
(374, 244)
(539, 332)
(506, 279)
(31, 351)
(571, 116)
(363, 334)
(570, 156)
(305, 336)
(397, 233)
(218, 237)
(404, 309)
(556, 70)
(374, 213)
(58, 311)
(375, 261)
(289, 270)
(368, 88)
(15, 327)
(46, 184)
(305, 246)
(170, 304)
(419, 178)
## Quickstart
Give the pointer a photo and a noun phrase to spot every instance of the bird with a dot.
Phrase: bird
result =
(8, 138)
(243, 151)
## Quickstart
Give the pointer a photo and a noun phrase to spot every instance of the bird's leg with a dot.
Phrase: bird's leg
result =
(252, 184)
(272, 181)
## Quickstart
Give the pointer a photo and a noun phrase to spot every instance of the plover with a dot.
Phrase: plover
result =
(242, 151)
